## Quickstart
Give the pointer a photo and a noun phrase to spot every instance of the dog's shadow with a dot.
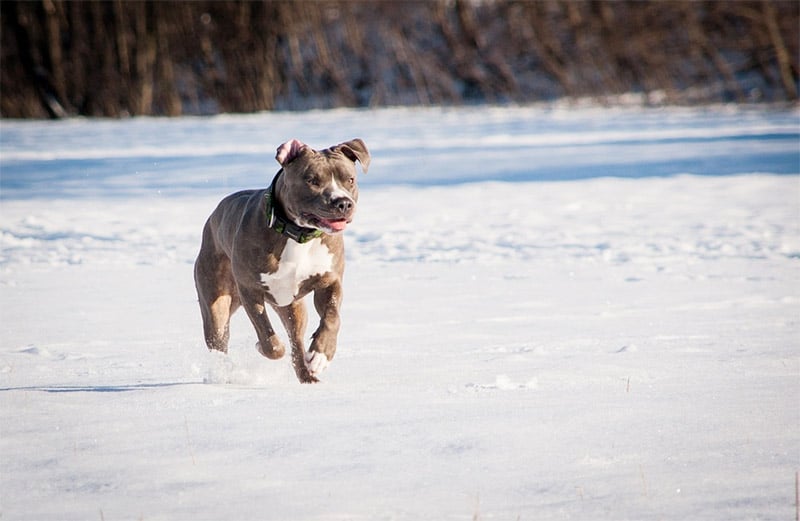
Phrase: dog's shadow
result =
(99, 388)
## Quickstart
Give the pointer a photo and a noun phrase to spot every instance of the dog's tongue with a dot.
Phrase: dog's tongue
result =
(337, 225)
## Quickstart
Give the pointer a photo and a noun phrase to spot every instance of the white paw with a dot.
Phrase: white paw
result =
(316, 362)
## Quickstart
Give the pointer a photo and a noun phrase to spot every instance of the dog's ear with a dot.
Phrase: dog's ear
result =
(288, 151)
(355, 150)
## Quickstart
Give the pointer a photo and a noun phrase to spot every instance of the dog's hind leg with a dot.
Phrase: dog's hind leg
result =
(217, 295)
(216, 307)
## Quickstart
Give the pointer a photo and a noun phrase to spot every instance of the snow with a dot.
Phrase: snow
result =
(549, 313)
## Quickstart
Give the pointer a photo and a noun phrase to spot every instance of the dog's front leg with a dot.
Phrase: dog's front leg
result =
(295, 318)
(323, 346)
(268, 344)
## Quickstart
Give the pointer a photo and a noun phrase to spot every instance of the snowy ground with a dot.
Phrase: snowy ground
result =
(549, 314)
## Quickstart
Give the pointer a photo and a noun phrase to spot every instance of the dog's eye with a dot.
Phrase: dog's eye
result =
(351, 181)
(313, 181)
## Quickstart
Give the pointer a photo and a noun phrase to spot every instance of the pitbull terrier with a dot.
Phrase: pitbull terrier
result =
(276, 246)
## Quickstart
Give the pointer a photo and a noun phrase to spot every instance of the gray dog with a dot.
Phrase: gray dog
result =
(276, 246)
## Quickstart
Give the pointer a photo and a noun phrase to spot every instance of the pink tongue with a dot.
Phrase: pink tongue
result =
(337, 225)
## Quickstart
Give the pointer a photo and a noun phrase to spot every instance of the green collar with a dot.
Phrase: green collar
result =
(278, 221)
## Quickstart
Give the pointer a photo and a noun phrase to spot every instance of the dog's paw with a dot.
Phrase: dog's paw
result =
(274, 351)
(316, 363)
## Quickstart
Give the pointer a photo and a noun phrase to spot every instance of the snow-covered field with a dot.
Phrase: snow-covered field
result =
(549, 313)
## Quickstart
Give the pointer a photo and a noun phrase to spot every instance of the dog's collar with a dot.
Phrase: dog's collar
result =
(277, 220)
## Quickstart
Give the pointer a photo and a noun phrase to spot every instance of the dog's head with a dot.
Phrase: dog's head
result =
(319, 189)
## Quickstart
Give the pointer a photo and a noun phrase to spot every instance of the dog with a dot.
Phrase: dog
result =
(275, 246)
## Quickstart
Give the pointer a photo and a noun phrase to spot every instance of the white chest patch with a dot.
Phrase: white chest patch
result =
(298, 263)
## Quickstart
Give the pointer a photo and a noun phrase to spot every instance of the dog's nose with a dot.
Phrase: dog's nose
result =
(343, 204)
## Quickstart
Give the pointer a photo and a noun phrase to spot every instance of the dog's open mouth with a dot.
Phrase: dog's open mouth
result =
(328, 225)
